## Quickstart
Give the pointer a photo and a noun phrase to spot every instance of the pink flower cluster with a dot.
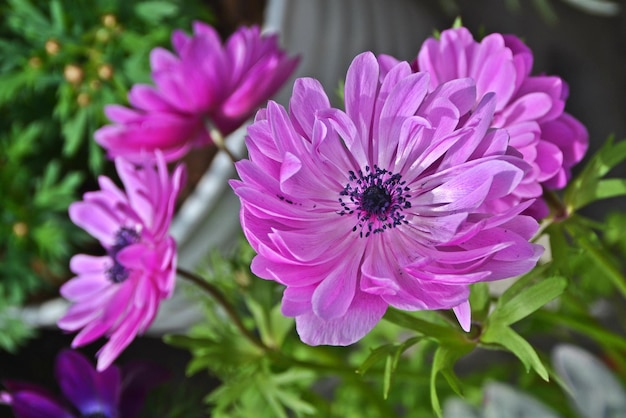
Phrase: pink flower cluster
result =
(430, 180)
(117, 295)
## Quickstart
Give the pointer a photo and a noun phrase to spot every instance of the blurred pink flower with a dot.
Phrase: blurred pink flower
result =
(117, 295)
(204, 82)
(529, 107)
(382, 204)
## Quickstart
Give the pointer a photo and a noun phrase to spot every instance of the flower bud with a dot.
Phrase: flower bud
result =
(73, 74)
(52, 47)
(20, 229)
(34, 62)
(105, 71)
(109, 20)
(83, 99)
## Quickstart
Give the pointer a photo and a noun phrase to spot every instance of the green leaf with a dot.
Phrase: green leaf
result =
(376, 355)
(155, 11)
(586, 187)
(599, 190)
(479, 301)
(391, 353)
(588, 241)
(73, 131)
(443, 362)
(23, 142)
(439, 332)
(54, 194)
(585, 326)
(11, 85)
(58, 17)
(527, 301)
(505, 337)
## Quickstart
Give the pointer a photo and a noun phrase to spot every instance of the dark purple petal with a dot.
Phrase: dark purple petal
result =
(88, 390)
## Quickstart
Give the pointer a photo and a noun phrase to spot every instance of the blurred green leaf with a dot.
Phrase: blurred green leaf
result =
(479, 301)
(74, 131)
(155, 11)
(58, 16)
(522, 303)
(504, 336)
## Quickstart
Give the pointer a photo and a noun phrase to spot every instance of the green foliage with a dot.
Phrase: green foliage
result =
(590, 185)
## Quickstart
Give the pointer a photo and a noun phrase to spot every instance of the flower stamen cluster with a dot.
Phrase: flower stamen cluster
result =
(378, 198)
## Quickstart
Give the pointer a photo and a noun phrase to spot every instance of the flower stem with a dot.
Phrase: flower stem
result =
(218, 140)
(224, 303)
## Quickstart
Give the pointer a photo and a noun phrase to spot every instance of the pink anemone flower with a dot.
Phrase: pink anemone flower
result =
(382, 204)
(203, 83)
(117, 295)
(531, 108)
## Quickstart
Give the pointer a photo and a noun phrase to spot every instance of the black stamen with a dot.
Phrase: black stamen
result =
(117, 273)
(378, 197)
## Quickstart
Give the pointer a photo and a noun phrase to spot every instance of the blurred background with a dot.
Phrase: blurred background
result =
(63, 60)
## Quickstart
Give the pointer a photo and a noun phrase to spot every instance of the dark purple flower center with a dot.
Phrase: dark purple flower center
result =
(117, 273)
(377, 197)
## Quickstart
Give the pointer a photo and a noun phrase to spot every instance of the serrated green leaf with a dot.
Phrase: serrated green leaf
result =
(295, 403)
(505, 337)
(527, 301)
(23, 142)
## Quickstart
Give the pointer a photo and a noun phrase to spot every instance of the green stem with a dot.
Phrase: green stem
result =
(218, 140)
(225, 304)
(555, 204)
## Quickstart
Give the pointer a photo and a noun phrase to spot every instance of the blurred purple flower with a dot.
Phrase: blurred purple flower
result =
(117, 295)
(529, 107)
(204, 82)
(111, 393)
(382, 204)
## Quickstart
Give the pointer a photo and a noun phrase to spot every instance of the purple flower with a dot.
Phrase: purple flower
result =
(382, 204)
(117, 295)
(202, 82)
(111, 393)
(529, 107)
